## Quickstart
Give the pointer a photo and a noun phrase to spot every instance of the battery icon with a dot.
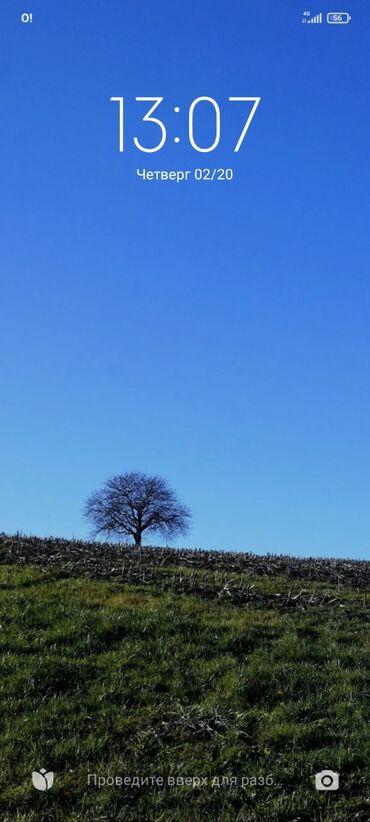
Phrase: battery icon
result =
(338, 17)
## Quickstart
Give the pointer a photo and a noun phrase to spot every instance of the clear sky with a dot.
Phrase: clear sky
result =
(215, 333)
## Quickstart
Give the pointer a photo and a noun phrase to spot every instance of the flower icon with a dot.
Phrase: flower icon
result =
(42, 780)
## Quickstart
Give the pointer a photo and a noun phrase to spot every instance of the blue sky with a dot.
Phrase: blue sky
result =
(214, 333)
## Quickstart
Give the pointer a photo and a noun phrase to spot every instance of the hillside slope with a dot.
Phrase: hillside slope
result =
(190, 666)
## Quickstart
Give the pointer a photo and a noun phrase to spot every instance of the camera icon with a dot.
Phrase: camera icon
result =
(327, 781)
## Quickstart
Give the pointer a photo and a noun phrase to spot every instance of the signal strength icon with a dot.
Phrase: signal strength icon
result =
(316, 19)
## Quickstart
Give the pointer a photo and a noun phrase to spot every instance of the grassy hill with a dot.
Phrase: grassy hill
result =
(188, 666)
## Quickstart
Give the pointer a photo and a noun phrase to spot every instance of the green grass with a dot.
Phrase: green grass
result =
(119, 679)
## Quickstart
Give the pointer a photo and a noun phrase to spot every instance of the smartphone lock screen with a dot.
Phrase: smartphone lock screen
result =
(184, 411)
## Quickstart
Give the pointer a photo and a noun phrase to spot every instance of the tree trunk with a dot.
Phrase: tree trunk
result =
(138, 542)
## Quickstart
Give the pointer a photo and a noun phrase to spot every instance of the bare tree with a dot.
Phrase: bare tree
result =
(131, 503)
